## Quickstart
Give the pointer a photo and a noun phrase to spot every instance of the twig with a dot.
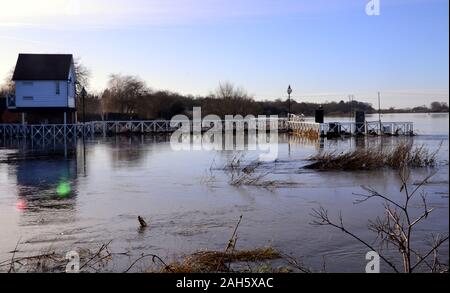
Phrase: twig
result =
(397, 227)
(11, 268)
(153, 256)
(231, 242)
(103, 247)
(322, 216)
(294, 262)
(435, 247)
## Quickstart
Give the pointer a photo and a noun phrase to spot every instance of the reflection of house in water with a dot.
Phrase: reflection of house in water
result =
(46, 183)
(48, 176)
(45, 179)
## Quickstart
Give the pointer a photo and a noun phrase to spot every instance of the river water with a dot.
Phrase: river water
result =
(91, 193)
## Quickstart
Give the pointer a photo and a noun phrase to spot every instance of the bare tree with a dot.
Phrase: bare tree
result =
(396, 227)
(230, 100)
(8, 87)
(227, 91)
(83, 75)
(439, 107)
(123, 94)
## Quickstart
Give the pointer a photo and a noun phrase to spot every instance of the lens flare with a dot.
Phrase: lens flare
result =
(63, 189)
(21, 205)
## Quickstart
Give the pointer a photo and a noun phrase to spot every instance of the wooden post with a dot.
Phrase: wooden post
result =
(65, 124)
(379, 113)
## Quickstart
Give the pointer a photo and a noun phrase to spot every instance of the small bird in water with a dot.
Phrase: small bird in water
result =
(142, 222)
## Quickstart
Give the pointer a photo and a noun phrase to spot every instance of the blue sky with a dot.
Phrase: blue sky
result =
(326, 50)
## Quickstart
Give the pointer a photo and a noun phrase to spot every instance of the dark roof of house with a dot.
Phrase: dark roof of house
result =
(43, 67)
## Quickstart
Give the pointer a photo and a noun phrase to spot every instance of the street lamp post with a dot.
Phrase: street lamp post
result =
(379, 111)
(289, 91)
(83, 97)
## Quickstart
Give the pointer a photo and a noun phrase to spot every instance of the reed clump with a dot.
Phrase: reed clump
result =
(216, 261)
(402, 155)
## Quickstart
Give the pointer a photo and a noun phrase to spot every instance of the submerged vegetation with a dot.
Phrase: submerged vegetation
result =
(53, 262)
(256, 260)
(215, 261)
(403, 154)
(254, 173)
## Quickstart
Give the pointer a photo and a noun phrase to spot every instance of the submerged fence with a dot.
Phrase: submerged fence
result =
(296, 125)
(139, 127)
(352, 128)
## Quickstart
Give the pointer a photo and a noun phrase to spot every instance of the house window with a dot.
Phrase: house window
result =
(28, 98)
(58, 88)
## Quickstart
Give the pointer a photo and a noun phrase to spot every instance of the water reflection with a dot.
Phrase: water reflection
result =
(298, 140)
(45, 173)
(111, 181)
(130, 151)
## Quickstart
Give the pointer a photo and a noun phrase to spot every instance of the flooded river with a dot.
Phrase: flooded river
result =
(89, 193)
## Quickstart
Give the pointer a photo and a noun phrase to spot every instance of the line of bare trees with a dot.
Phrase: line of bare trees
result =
(128, 97)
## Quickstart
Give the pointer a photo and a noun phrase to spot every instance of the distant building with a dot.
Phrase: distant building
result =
(45, 89)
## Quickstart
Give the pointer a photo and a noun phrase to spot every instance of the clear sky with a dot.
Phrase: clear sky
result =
(326, 49)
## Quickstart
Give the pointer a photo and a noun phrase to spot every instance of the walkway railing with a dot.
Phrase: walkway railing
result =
(298, 125)
(122, 127)
(367, 128)
(295, 124)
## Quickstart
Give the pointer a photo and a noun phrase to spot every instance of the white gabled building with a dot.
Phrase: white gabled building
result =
(45, 88)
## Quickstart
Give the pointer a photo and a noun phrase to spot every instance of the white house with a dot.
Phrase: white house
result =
(45, 88)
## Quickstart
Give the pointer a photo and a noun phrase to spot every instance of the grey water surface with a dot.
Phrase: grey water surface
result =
(89, 193)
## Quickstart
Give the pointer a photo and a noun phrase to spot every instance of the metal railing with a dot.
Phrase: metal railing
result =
(296, 124)
(367, 128)
(139, 127)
